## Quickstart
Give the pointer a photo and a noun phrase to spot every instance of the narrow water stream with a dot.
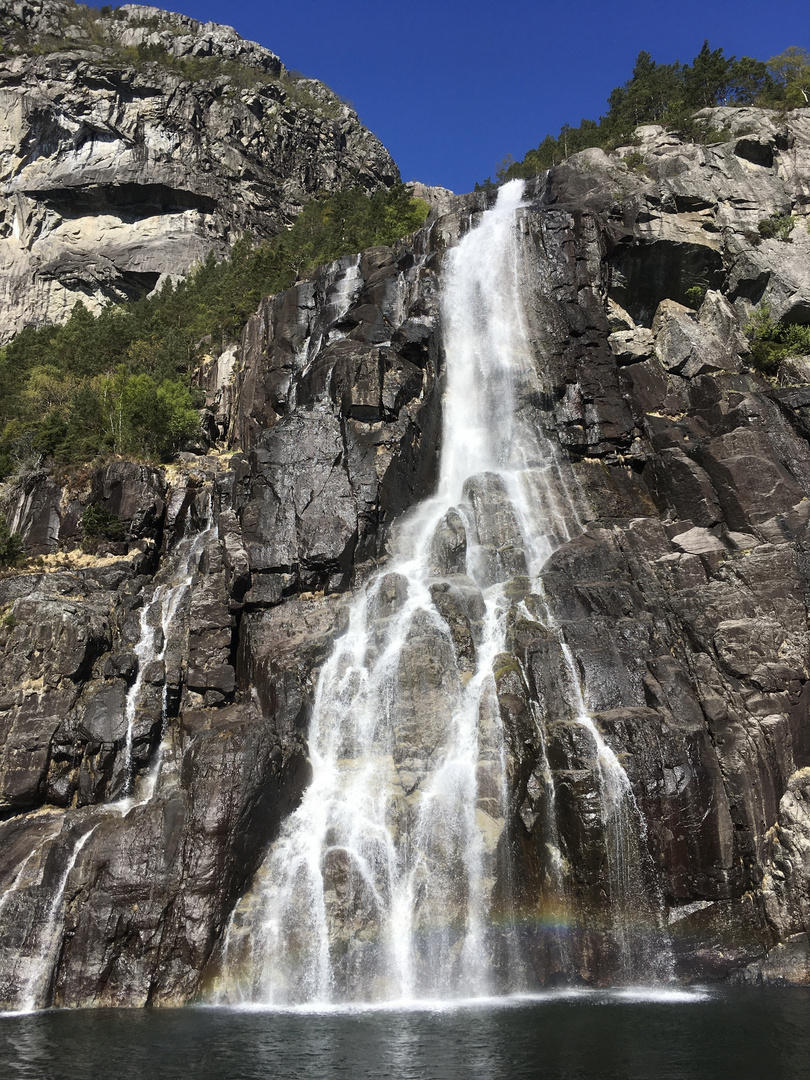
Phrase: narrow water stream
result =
(38, 951)
(156, 633)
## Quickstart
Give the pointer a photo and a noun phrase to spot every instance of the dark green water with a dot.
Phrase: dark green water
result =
(739, 1035)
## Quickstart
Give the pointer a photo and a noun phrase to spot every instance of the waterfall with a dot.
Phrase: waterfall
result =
(624, 831)
(35, 988)
(156, 621)
(386, 883)
(15, 882)
(41, 907)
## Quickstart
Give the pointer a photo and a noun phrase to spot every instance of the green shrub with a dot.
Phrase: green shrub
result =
(772, 342)
(695, 295)
(99, 524)
(777, 227)
(635, 162)
(12, 548)
(697, 130)
(156, 417)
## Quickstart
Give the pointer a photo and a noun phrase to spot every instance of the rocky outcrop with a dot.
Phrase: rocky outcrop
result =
(675, 616)
(135, 143)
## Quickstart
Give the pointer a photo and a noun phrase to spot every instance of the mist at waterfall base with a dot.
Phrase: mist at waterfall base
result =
(744, 1034)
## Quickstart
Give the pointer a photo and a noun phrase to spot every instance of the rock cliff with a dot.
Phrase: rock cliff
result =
(141, 786)
(135, 142)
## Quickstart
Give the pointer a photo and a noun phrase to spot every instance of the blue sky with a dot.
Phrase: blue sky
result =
(450, 87)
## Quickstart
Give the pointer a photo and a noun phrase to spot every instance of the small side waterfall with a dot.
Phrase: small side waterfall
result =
(37, 980)
(388, 882)
(624, 831)
(33, 903)
(156, 621)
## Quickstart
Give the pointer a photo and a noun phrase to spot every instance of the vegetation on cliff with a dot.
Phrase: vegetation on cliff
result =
(119, 381)
(165, 42)
(671, 94)
(772, 342)
(12, 548)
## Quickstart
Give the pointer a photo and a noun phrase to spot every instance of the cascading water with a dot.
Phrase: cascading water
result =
(624, 831)
(41, 964)
(384, 884)
(157, 617)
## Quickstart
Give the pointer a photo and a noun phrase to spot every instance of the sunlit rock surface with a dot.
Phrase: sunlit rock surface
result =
(136, 142)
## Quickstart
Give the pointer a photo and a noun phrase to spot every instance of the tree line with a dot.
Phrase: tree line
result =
(670, 95)
(120, 381)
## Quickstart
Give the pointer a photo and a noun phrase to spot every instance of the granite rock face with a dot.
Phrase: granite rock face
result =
(679, 606)
(135, 143)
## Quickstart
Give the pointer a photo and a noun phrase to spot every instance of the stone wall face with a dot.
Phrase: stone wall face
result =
(682, 598)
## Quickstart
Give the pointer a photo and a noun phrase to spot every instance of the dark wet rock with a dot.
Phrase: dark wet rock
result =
(462, 609)
(495, 530)
(104, 719)
(135, 494)
(450, 545)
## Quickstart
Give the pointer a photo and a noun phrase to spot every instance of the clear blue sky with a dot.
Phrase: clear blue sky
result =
(451, 86)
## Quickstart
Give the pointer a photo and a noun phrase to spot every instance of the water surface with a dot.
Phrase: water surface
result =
(704, 1035)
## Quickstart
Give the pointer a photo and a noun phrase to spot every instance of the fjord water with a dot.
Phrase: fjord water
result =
(733, 1034)
(389, 882)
